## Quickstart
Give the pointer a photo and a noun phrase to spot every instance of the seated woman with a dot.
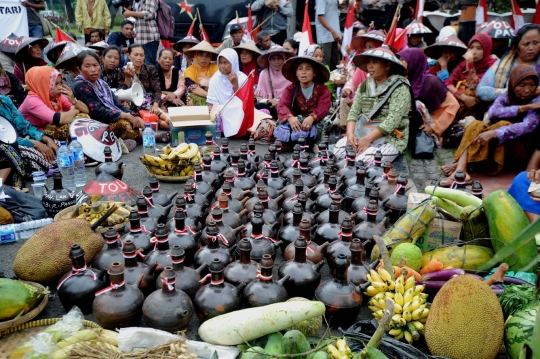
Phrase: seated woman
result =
(316, 52)
(147, 77)
(171, 80)
(203, 54)
(291, 46)
(223, 85)
(448, 52)
(379, 115)
(514, 115)
(28, 55)
(430, 90)
(32, 152)
(519, 190)
(67, 63)
(110, 66)
(50, 105)
(104, 106)
(248, 54)
(272, 83)
(305, 103)
(463, 81)
(11, 86)
(524, 49)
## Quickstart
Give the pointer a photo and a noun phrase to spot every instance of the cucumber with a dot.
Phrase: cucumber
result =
(461, 198)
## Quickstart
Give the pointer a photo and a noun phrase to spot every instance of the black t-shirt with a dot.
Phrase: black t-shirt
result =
(33, 17)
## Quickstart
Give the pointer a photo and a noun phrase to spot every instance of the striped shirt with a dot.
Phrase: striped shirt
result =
(146, 29)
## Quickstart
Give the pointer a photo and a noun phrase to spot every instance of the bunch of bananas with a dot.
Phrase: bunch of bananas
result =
(410, 312)
(176, 161)
(340, 351)
(93, 212)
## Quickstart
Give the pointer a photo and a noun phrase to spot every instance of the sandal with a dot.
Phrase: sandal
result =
(447, 182)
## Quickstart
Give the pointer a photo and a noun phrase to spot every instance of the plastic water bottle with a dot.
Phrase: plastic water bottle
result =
(78, 162)
(21, 231)
(64, 158)
(218, 127)
(149, 140)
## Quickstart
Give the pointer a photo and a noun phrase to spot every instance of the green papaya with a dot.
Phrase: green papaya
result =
(318, 355)
(273, 345)
(17, 298)
(254, 353)
(294, 342)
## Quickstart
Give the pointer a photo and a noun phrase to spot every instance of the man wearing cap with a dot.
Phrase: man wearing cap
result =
(235, 39)
(122, 39)
(328, 31)
(146, 30)
(274, 18)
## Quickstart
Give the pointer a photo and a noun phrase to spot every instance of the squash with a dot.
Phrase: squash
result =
(506, 220)
(252, 323)
(467, 257)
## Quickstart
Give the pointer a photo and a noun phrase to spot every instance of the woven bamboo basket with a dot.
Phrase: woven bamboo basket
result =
(67, 213)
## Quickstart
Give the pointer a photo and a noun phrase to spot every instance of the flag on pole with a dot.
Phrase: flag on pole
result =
(536, 17)
(371, 27)
(419, 12)
(481, 13)
(62, 36)
(246, 34)
(348, 31)
(517, 16)
(240, 106)
(306, 38)
(394, 40)
(204, 36)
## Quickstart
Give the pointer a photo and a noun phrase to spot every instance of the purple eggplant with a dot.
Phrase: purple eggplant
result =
(443, 275)
(513, 280)
(432, 285)
(476, 276)
(497, 289)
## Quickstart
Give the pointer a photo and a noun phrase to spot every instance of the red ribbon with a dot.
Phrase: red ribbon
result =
(111, 287)
(155, 241)
(157, 188)
(366, 212)
(262, 277)
(398, 187)
(189, 196)
(209, 276)
(220, 236)
(77, 271)
(455, 183)
(147, 199)
(293, 198)
(138, 229)
(295, 163)
(117, 239)
(176, 261)
(185, 231)
(168, 282)
(251, 153)
(135, 254)
(257, 236)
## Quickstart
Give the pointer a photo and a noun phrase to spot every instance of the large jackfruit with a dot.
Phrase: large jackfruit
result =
(44, 257)
(465, 321)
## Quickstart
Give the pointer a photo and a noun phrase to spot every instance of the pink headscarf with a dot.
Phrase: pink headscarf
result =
(279, 82)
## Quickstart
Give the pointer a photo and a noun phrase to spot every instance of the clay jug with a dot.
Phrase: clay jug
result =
(349, 155)
(290, 232)
(290, 189)
(360, 206)
(242, 181)
(460, 182)
(59, 197)
(234, 204)
(279, 156)
(192, 196)
(323, 201)
(299, 208)
(291, 164)
(264, 165)
(275, 180)
(250, 167)
(229, 217)
(236, 192)
(396, 204)
(365, 230)
(155, 210)
(270, 217)
(146, 222)
(243, 270)
(214, 249)
(324, 216)
(209, 144)
(383, 178)
(253, 157)
(201, 186)
(363, 200)
(226, 235)
(376, 169)
(353, 180)
(158, 197)
(207, 174)
(267, 202)
(354, 190)
(358, 268)
(321, 159)
(160, 253)
(304, 276)
(115, 169)
(139, 236)
(272, 150)
(77, 287)
(314, 252)
(341, 298)
(477, 189)
(263, 182)
(118, 305)
(225, 155)
(387, 186)
(300, 195)
(134, 269)
(304, 147)
(195, 223)
(263, 290)
(341, 245)
(111, 252)
(349, 170)
(308, 179)
(168, 309)
(234, 157)
(185, 237)
(270, 229)
(218, 297)
(322, 187)
(218, 165)
(259, 243)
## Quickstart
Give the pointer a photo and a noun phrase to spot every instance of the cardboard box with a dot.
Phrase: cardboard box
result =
(189, 113)
(433, 237)
(190, 124)
(415, 198)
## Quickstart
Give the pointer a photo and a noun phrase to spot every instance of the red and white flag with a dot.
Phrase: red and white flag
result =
(419, 12)
(348, 31)
(239, 107)
(306, 39)
(393, 40)
(202, 32)
(246, 34)
(481, 13)
(517, 16)
(536, 17)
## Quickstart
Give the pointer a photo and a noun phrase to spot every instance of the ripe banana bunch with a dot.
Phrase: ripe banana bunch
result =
(410, 312)
(176, 161)
(340, 351)
(96, 210)
(178, 150)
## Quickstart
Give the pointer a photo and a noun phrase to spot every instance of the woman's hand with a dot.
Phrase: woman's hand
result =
(155, 109)
(468, 57)
(485, 137)
(443, 62)
(427, 129)
(346, 93)
(351, 140)
(469, 101)
(306, 124)
(233, 79)
(129, 72)
(362, 144)
(46, 151)
(295, 124)
(50, 143)
(534, 176)
(69, 94)
(177, 102)
(135, 121)
(170, 97)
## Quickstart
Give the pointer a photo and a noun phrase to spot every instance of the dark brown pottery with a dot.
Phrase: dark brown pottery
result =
(193, 222)
(396, 204)
(242, 180)
(225, 155)
(134, 269)
(155, 210)
(252, 155)
(201, 186)
(342, 245)
(329, 232)
(259, 243)
(139, 236)
(376, 168)
(158, 197)
(147, 223)
(218, 165)
(236, 192)
(160, 253)
(111, 252)
(59, 197)
(275, 180)
(185, 237)
(243, 270)
(365, 230)
(323, 201)
(361, 213)
(226, 235)
(299, 208)
(324, 216)
(263, 290)
(207, 174)
(209, 144)
(359, 269)
(387, 186)
(214, 249)
(477, 189)
(191, 195)
(309, 179)
(349, 170)
(314, 252)
(354, 190)
(229, 217)
(115, 169)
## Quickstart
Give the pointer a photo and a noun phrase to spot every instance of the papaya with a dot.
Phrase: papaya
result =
(467, 257)
(294, 342)
(506, 220)
(273, 345)
(17, 297)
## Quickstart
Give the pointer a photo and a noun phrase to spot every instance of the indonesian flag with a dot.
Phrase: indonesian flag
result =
(246, 35)
(517, 16)
(62, 36)
(536, 17)
(204, 36)
(239, 107)
(481, 13)
(306, 39)
(393, 40)
(348, 31)
(190, 31)
(419, 12)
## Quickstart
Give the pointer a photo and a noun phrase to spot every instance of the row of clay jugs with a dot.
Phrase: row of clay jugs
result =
(234, 204)
(155, 210)
(187, 279)
(229, 217)
(350, 155)
(217, 165)
(320, 163)
(290, 189)
(341, 298)
(137, 233)
(314, 252)
(262, 182)
(323, 201)
(147, 222)
(243, 270)
(253, 157)
(329, 231)
(115, 169)
(194, 222)
(322, 187)
(271, 223)
(275, 181)
(217, 297)
(363, 199)
(299, 207)
(365, 230)
(387, 185)
(158, 197)
(324, 216)
(304, 276)
(376, 168)
(381, 179)
(236, 192)
(260, 245)
(214, 249)
(291, 165)
(168, 309)
(354, 190)
(111, 251)
(197, 182)
(309, 179)
(134, 269)
(227, 235)
(184, 236)
(267, 202)
(263, 290)
(279, 156)
(396, 204)
(362, 202)
(349, 170)
(160, 253)
(299, 196)
(224, 147)
(341, 245)
(118, 305)
(196, 203)
(290, 232)
(244, 155)
(77, 287)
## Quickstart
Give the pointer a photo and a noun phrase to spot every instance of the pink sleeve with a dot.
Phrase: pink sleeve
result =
(181, 86)
(38, 109)
(357, 78)
(66, 105)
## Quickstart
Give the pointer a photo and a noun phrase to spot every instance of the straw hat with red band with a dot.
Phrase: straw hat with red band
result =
(22, 50)
(264, 60)
(250, 46)
(450, 43)
(496, 29)
(359, 42)
(417, 28)
(203, 46)
(384, 53)
(289, 69)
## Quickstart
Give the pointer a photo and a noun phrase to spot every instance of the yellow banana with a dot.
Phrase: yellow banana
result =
(342, 346)
(333, 351)
(191, 152)
(398, 297)
(380, 295)
(371, 291)
(383, 273)
(410, 283)
(80, 336)
(407, 306)
(418, 325)
(368, 277)
(417, 314)
(144, 161)
(391, 285)
(408, 336)
(425, 313)
(399, 286)
(399, 336)
(373, 308)
(375, 276)
(422, 320)
(408, 296)
(423, 296)
(397, 308)
(407, 316)
(389, 295)
(378, 314)
(163, 156)
(396, 318)
(382, 304)
(402, 322)
(415, 305)
(167, 149)
(394, 332)
(418, 289)
(380, 286)
(181, 148)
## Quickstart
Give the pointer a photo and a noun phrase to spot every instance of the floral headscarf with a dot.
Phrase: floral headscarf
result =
(41, 80)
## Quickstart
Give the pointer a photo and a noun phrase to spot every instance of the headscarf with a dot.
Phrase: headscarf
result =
(103, 92)
(445, 32)
(220, 89)
(195, 71)
(251, 66)
(310, 50)
(481, 66)
(518, 74)
(41, 80)
(426, 88)
(5, 83)
(279, 82)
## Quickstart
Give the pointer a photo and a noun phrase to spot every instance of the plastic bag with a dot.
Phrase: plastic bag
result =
(70, 324)
(41, 345)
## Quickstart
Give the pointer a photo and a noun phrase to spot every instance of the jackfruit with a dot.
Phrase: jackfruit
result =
(465, 321)
(44, 257)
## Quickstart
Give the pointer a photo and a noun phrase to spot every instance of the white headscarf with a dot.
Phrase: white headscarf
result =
(445, 32)
(220, 88)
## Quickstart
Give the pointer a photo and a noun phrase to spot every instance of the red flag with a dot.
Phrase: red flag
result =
(348, 31)
(419, 11)
(307, 38)
(250, 20)
(481, 13)
(204, 36)
(246, 94)
(536, 17)
(62, 36)
(517, 16)
(394, 40)
(239, 106)
(190, 31)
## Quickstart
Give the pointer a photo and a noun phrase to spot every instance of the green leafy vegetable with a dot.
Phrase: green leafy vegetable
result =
(517, 297)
